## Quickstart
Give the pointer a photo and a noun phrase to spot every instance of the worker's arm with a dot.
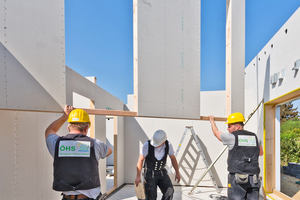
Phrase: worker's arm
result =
(175, 165)
(109, 151)
(139, 166)
(261, 151)
(214, 128)
(56, 125)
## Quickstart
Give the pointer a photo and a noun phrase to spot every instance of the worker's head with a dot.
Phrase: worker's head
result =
(158, 138)
(79, 120)
(235, 122)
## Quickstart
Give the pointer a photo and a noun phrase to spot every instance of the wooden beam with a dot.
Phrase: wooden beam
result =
(110, 112)
(121, 113)
(134, 114)
(281, 195)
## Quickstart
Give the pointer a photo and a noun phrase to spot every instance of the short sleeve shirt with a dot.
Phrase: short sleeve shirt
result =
(159, 152)
(229, 140)
(101, 151)
(100, 148)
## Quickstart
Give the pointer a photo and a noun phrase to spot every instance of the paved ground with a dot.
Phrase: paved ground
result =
(181, 193)
(127, 192)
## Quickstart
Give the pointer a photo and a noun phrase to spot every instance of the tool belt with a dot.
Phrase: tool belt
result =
(244, 178)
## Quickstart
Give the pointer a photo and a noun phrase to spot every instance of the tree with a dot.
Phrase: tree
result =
(287, 112)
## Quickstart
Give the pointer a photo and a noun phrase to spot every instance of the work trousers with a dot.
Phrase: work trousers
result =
(249, 190)
(161, 179)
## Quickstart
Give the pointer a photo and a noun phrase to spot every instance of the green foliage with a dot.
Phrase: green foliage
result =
(290, 142)
(289, 125)
(287, 112)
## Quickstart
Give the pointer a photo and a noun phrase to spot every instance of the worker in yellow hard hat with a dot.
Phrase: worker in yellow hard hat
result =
(75, 156)
(244, 149)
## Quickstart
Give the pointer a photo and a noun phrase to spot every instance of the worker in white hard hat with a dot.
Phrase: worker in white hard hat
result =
(75, 156)
(154, 153)
(244, 149)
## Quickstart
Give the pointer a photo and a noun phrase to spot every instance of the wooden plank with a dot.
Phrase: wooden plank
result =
(287, 97)
(122, 113)
(115, 151)
(235, 56)
(270, 147)
(281, 195)
(92, 118)
(297, 196)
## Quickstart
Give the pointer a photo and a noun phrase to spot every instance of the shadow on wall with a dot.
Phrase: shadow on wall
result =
(189, 162)
(18, 78)
(267, 83)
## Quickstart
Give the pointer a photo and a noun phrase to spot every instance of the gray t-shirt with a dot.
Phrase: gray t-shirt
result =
(101, 151)
(229, 140)
(159, 152)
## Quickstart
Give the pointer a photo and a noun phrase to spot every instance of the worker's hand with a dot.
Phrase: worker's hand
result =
(137, 180)
(177, 177)
(68, 109)
(211, 118)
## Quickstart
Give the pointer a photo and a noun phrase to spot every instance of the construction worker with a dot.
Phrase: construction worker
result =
(244, 149)
(155, 152)
(75, 156)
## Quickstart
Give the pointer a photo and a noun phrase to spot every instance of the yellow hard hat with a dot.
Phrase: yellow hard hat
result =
(234, 118)
(79, 115)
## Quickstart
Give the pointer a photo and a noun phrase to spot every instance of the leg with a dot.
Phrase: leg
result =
(150, 185)
(235, 191)
(253, 190)
(166, 187)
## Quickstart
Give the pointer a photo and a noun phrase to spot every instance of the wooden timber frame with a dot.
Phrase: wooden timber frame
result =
(269, 141)
(121, 113)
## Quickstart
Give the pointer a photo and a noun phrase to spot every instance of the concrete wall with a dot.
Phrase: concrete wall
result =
(139, 130)
(277, 59)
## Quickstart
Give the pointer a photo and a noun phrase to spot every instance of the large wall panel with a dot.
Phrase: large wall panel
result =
(139, 129)
(270, 76)
(26, 167)
(32, 55)
(167, 58)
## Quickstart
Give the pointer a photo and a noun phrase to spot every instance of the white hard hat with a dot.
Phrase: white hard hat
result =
(158, 138)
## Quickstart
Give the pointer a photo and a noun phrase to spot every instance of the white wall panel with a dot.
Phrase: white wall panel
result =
(2, 76)
(139, 130)
(26, 169)
(32, 44)
(167, 58)
(279, 54)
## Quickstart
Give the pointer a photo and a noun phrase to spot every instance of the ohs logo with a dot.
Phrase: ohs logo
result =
(81, 147)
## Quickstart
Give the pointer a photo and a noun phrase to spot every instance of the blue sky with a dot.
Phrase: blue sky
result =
(99, 39)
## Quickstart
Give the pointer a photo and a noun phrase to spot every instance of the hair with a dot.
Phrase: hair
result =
(240, 123)
(78, 126)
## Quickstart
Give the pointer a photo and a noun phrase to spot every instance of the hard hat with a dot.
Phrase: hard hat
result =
(234, 118)
(158, 138)
(79, 115)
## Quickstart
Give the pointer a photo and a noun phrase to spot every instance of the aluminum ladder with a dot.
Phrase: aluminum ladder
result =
(201, 153)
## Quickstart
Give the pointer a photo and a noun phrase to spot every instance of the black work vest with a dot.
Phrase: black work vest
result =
(72, 172)
(151, 161)
(243, 157)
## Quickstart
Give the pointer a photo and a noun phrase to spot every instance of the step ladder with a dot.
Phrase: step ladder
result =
(201, 153)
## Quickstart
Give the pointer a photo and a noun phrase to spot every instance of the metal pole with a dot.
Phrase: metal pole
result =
(210, 166)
